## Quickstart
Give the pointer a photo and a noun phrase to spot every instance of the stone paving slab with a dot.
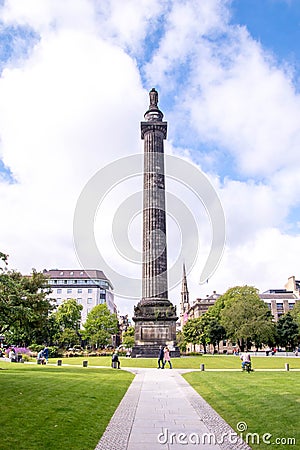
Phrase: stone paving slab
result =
(161, 411)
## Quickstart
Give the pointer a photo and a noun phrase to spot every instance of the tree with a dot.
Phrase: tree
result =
(68, 315)
(194, 332)
(67, 319)
(68, 338)
(295, 313)
(181, 341)
(100, 325)
(24, 308)
(246, 318)
(3, 257)
(128, 337)
(287, 331)
(214, 331)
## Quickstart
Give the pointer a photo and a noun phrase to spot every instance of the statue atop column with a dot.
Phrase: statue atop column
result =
(153, 94)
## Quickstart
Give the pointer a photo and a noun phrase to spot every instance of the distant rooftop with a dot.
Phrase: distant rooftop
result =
(288, 295)
(60, 274)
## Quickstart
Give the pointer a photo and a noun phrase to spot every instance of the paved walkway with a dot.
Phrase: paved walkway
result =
(162, 411)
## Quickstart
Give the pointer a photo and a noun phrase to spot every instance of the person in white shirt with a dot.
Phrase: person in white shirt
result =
(246, 359)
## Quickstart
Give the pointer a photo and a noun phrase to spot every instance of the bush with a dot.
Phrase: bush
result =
(18, 350)
(36, 348)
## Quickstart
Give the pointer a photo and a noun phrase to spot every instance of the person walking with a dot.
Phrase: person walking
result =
(161, 358)
(46, 353)
(167, 357)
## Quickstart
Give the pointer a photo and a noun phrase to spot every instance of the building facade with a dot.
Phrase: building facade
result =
(293, 285)
(279, 301)
(201, 305)
(88, 287)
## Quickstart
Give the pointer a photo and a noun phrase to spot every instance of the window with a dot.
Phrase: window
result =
(90, 300)
(79, 301)
(58, 291)
(79, 291)
(69, 291)
(102, 295)
(279, 306)
(90, 291)
(58, 301)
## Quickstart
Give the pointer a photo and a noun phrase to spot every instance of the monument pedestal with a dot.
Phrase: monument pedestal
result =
(155, 325)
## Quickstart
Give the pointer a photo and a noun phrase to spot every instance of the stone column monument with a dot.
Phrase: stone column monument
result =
(154, 316)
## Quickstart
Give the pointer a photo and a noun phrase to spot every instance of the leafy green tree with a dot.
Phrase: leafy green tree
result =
(214, 331)
(24, 308)
(181, 341)
(68, 315)
(246, 318)
(295, 313)
(3, 257)
(128, 337)
(194, 332)
(68, 338)
(67, 320)
(100, 325)
(287, 331)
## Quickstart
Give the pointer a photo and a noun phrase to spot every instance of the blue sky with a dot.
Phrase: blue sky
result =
(275, 23)
(75, 77)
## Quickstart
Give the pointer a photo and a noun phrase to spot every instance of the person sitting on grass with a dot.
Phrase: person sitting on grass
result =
(246, 359)
(115, 360)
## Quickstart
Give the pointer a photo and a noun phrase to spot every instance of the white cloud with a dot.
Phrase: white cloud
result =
(70, 108)
(75, 102)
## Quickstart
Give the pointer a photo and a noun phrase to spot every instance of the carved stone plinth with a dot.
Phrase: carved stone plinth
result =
(155, 325)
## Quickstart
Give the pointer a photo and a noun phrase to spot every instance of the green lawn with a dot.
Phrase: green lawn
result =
(191, 362)
(69, 407)
(51, 408)
(268, 402)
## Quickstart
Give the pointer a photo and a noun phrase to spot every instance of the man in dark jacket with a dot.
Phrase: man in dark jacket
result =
(160, 359)
(115, 361)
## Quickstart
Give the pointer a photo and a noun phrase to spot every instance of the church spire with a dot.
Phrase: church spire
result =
(185, 303)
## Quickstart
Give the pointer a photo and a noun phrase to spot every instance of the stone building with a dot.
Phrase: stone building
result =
(201, 305)
(293, 285)
(279, 301)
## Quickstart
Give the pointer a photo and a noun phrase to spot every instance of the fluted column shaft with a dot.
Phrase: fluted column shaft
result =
(155, 278)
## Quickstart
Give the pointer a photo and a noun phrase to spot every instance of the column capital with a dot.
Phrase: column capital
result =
(154, 127)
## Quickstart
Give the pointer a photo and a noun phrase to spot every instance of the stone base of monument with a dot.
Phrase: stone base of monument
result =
(151, 351)
(155, 325)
